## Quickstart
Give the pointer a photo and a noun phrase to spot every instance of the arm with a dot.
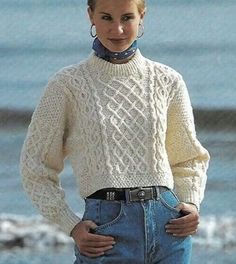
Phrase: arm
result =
(42, 159)
(188, 161)
(43, 154)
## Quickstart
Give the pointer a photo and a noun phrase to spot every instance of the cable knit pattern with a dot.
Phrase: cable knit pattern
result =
(121, 125)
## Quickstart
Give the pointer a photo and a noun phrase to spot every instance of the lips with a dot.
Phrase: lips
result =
(117, 41)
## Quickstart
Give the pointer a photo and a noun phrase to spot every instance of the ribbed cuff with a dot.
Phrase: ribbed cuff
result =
(187, 191)
(189, 196)
(68, 221)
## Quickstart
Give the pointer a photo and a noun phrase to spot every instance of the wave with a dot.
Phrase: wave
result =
(17, 231)
(217, 232)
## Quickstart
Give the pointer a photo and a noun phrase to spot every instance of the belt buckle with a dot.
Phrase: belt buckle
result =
(141, 194)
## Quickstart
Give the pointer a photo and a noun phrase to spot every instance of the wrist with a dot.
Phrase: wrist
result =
(194, 205)
(73, 231)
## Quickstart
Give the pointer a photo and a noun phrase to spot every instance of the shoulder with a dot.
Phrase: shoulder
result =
(68, 72)
(67, 78)
(164, 71)
(168, 78)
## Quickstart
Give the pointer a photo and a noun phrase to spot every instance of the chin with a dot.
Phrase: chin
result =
(117, 47)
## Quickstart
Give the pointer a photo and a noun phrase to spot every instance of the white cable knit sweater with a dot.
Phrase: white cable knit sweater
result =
(121, 125)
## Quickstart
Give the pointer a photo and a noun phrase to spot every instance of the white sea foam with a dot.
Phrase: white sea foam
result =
(30, 232)
(36, 232)
(217, 232)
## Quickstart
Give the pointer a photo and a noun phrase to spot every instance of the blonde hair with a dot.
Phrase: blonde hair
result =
(140, 3)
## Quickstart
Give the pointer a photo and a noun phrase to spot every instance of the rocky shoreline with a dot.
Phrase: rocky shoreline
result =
(209, 119)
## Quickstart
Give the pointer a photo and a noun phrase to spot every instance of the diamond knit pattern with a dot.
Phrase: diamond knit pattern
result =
(126, 106)
(121, 126)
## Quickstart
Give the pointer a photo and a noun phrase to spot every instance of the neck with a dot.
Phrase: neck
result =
(114, 57)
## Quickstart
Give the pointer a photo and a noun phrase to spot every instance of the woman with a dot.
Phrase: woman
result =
(126, 124)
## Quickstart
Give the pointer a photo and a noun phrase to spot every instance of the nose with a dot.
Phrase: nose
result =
(117, 27)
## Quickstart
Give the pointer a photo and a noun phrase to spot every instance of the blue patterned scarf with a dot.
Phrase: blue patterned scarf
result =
(107, 55)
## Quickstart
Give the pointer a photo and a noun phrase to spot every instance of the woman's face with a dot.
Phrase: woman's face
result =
(116, 22)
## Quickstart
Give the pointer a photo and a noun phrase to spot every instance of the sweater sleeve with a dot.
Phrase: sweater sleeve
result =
(42, 156)
(188, 158)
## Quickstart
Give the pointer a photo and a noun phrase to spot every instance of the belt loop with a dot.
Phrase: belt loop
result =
(157, 192)
(127, 196)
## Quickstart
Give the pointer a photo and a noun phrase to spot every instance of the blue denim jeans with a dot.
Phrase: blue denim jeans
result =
(139, 231)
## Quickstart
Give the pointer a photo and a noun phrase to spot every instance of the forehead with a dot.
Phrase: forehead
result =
(121, 6)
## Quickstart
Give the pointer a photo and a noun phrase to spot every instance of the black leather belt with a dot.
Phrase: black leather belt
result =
(129, 194)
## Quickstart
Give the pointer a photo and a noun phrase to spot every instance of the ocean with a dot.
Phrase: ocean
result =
(37, 38)
(196, 37)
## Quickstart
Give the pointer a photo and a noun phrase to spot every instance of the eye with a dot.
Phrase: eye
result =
(127, 18)
(106, 17)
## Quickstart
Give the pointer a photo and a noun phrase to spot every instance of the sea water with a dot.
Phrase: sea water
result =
(197, 38)
(37, 38)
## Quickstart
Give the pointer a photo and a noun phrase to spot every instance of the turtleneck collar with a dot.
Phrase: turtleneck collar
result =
(133, 66)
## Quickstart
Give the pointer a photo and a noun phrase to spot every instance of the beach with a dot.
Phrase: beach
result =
(37, 38)
(25, 237)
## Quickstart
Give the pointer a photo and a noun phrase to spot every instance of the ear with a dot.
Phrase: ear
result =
(142, 15)
(90, 13)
